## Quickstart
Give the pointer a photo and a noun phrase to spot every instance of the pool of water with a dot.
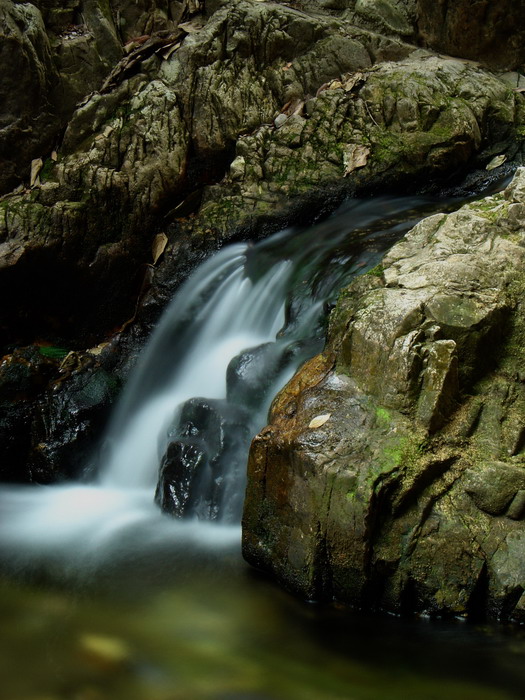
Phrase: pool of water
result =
(203, 626)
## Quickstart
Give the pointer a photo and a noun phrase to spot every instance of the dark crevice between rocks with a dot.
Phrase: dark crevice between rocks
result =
(424, 480)
(55, 301)
(477, 604)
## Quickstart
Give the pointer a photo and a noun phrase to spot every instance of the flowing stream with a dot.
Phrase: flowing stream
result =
(163, 608)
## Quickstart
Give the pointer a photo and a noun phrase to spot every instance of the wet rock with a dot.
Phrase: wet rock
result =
(52, 412)
(181, 470)
(69, 422)
(408, 495)
(205, 461)
(252, 375)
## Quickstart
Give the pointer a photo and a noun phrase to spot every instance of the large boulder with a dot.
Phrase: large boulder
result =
(490, 32)
(300, 104)
(392, 473)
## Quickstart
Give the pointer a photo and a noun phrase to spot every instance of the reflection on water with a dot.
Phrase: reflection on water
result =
(207, 628)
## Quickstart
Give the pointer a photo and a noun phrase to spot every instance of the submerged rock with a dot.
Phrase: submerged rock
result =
(408, 495)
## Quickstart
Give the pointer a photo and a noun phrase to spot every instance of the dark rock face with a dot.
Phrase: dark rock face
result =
(51, 413)
(28, 81)
(204, 461)
(490, 32)
(392, 472)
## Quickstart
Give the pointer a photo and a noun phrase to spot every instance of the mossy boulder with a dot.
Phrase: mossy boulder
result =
(408, 495)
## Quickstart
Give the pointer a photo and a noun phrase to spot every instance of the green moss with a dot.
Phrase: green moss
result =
(376, 271)
(402, 451)
(53, 352)
(383, 417)
(492, 208)
(47, 169)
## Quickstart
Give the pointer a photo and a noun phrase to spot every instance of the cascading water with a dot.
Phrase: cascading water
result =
(251, 313)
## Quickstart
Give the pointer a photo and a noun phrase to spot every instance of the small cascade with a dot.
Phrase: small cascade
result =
(232, 336)
(218, 313)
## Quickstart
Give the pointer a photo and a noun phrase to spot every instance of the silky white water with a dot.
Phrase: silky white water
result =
(218, 313)
(234, 314)
(235, 301)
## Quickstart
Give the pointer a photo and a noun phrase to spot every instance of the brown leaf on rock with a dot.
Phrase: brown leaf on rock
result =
(350, 81)
(36, 167)
(195, 25)
(496, 162)
(158, 246)
(171, 49)
(293, 107)
(354, 156)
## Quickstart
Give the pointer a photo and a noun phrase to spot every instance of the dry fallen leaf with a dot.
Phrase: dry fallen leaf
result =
(318, 421)
(171, 48)
(354, 156)
(191, 27)
(496, 162)
(352, 81)
(97, 349)
(158, 246)
(36, 167)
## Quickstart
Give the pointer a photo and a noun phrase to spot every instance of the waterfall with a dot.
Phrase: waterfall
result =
(251, 313)
(218, 313)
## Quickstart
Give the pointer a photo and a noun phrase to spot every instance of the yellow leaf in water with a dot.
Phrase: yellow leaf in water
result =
(159, 245)
(318, 421)
(104, 651)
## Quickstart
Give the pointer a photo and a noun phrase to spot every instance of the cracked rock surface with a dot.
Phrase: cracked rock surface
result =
(411, 496)
(216, 128)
